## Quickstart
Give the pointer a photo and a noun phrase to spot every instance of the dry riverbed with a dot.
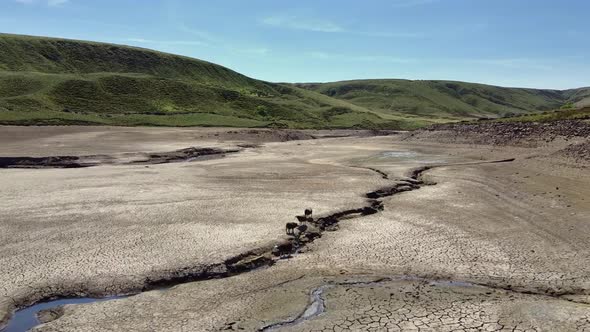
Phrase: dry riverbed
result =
(477, 246)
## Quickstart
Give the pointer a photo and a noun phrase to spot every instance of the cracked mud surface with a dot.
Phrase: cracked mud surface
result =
(106, 230)
(518, 228)
(428, 306)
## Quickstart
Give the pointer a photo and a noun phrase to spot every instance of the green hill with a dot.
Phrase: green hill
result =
(549, 116)
(445, 99)
(57, 81)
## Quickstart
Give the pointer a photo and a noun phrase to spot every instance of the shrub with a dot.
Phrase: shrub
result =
(337, 110)
(568, 106)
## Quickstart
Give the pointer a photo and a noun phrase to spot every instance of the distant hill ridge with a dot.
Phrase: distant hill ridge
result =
(61, 56)
(449, 99)
(58, 81)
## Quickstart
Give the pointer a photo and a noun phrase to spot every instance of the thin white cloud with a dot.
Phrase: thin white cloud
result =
(296, 23)
(204, 35)
(359, 58)
(165, 42)
(411, 3)
(177, 17)
(253, 51)
(248, 51)
(537, 64)
(389, 34)
(184, 23)
(54, 3)
(139, 40)
(319, 25)
(51, 3)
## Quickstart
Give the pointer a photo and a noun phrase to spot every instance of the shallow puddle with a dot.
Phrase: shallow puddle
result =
(400, 157)
(398, 154)
(409, 156)
(25, 319)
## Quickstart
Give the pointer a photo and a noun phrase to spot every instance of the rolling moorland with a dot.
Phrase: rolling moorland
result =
(49, 81)
(448, 99)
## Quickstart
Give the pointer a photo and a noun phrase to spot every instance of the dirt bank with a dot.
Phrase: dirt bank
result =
(529, 134)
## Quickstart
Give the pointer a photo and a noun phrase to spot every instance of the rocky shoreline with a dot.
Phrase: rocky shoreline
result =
(508, 133)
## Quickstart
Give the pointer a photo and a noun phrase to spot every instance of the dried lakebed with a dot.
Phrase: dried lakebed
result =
(248, 261)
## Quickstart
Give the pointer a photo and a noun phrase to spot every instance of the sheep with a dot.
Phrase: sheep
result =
(308, 214)
(283, 249)
(327, 221)
(290, 227)
(301, 218)
(306, 217)
(302, 229)
(312, 235)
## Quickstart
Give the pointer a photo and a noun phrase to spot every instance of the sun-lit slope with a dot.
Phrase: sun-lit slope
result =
(57, 81)
(445, 99)
(61, 56)
(555, 115)
(580, 97)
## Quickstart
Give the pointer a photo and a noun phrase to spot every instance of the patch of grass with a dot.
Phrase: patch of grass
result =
(130, 99)
(568, 106)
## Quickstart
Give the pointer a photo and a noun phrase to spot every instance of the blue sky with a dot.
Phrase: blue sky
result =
(528, 43)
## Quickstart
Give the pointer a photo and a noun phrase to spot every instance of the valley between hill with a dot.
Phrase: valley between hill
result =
(51, 81)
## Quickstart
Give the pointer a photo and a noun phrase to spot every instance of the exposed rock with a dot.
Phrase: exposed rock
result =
(505, 133)
(48, 315)
(578, 152)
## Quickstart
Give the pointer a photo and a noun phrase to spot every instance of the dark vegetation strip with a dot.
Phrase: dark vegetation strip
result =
(188, 154)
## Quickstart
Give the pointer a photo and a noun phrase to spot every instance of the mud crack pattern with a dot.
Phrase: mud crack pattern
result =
(428, 306)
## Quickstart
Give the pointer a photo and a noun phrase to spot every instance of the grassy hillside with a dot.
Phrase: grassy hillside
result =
(56, 81)
(579, 97)
(555, 115)
(445, 99)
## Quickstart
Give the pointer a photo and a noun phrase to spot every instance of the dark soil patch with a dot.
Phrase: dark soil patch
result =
(188, 154)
